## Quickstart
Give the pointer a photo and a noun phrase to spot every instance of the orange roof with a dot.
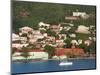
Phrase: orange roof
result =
(75, 51)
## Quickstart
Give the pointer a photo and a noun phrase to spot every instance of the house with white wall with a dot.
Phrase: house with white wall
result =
(83, 29)
(25, 29)
(33, 54)
(42, 24)
(83, 15)
(15, 37)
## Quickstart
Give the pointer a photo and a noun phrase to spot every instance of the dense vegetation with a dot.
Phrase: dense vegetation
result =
(31, 13)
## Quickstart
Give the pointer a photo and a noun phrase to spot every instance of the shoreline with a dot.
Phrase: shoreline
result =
(35, 60)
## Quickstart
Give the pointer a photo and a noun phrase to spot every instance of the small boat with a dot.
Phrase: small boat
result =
(65, 63)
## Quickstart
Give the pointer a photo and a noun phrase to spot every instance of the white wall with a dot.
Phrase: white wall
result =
(5, 37)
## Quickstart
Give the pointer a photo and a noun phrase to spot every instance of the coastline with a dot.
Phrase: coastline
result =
(36, 60)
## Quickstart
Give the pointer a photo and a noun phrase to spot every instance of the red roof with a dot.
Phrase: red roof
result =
(75, 51)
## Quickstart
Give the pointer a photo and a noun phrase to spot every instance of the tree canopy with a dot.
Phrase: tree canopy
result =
(31, 13)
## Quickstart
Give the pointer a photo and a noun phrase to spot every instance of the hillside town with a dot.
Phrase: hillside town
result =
(55, 41)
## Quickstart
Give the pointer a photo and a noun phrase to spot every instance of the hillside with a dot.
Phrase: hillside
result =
(31, 13)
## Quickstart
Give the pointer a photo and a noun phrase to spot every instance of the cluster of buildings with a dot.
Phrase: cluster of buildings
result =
(38, 39)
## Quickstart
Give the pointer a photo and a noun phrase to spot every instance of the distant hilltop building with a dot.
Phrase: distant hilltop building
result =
(77, 15)
(83, 15)
(72, 18)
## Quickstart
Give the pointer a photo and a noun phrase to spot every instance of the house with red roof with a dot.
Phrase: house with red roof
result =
(70, 51)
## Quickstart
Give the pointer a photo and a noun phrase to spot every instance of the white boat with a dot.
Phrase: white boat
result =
(65, 63)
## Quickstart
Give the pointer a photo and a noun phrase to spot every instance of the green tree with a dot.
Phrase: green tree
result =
(51, 33)
(68, 42)
(13, 50)
(92, 48)
(50, 50)
(63, 32)
(42, 31)
(82, 46)
(25, 52)
(31, 13)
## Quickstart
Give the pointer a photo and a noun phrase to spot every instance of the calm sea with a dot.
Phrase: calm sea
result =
(52, 65)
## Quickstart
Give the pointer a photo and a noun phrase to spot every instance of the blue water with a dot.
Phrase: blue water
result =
(52, 65)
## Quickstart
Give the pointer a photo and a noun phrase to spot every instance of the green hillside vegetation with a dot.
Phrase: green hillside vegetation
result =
(82, 36)
(31, 13)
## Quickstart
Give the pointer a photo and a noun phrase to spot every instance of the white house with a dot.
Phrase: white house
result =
(15, 37)
(44, 24)
(53, 45)
(61, 28)
(45, 35)
(32, 55)
(70, 24)
(38, 55)
(74, 42)
(71, 17)
(23, 39)
(32, 40)
(62, 36)
(16, 54)
(42, 29)
(67, 28)
(83, 29)
(72, 35)
(60, 43)
(82, 14)
(25, 29)
(14, 58)
(55, 57)
(18, 45)
(90, 38)
(80, 41)
(51, 38)
(62, 57)
(92, 26)
(87, 42)
(37, 34)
